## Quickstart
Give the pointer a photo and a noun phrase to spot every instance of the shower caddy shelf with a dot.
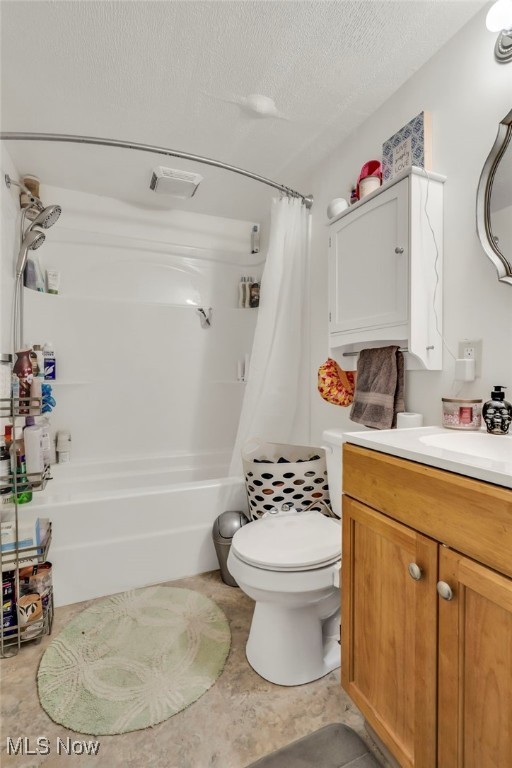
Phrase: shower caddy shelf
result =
(12, 637)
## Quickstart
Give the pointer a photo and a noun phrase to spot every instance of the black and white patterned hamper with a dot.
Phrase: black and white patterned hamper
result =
(277, 474)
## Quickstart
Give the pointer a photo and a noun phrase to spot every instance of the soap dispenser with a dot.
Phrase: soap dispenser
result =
(497, 412)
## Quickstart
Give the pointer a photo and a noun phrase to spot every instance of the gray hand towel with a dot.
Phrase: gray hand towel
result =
(379, 394)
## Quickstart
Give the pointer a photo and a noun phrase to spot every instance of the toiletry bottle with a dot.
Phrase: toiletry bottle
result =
(241, 292)
(49, 361)
(255, 239)
(38, 350)
(36, 392)
(497, 412)
(248, 285)
(48, 445)
(63, 447)
(5, 469)
(52, 281)
(23, 370)
(33, 439)
(24, 492)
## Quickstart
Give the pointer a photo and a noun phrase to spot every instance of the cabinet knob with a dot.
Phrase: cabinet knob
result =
(415, 571)
(399, 250)
(444, 590)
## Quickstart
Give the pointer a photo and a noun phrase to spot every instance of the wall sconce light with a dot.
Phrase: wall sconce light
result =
(499, 19)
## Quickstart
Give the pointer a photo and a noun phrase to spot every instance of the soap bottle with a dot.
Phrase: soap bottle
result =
(497, 412)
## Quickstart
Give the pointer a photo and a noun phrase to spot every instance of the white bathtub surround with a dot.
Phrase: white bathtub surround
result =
(137, 373)
(120, 525)
(275, 403)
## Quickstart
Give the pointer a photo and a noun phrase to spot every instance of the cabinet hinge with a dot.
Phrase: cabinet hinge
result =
(329, 317)
(329, 242)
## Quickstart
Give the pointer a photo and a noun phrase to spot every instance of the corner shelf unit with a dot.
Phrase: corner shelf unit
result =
(12, 632)
(385, 271)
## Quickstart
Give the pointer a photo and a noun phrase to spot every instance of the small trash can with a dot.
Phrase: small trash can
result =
(224, 528)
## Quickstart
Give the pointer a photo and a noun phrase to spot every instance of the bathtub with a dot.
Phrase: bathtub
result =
(124, 524)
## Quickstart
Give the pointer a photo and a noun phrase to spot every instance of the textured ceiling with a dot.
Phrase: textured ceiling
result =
(160, 73)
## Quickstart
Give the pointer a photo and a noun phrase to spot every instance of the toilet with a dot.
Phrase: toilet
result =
(289, 563)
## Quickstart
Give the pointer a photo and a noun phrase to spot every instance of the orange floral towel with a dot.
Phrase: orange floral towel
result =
(335, 385)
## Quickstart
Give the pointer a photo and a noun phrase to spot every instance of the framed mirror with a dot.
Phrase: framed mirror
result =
(494, 202)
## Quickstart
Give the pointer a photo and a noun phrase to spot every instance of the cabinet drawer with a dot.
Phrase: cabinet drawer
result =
(468, 515)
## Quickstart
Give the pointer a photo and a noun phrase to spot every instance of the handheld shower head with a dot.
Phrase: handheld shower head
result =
(47, 217)
(31, 242)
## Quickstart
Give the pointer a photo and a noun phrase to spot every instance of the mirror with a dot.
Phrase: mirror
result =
(494, 202)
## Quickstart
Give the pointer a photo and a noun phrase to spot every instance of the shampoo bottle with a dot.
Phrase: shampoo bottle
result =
(49, 361)
(497, 412)
(33, 438)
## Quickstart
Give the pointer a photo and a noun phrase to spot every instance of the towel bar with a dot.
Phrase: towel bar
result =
(353, 354)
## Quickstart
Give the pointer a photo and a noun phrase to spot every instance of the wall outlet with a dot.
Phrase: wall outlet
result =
(472, 350)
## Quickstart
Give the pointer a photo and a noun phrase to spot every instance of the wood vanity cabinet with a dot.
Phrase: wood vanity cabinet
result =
(431, 675)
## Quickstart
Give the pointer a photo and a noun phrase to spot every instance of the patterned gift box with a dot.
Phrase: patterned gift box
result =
(411, 145)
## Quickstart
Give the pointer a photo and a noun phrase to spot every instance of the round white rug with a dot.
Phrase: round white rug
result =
(133, 660)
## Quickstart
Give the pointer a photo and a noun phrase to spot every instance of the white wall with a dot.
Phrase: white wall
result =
(136, 373)
(468, 93)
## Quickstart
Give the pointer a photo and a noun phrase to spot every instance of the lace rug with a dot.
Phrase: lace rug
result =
(133, 660)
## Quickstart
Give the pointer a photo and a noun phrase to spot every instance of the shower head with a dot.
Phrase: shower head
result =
(47, 217)
(31, 242)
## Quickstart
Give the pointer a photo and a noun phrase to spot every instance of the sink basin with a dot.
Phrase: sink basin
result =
(473, 454)
(481, 444)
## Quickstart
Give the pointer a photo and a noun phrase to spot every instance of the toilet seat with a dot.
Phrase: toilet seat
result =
(289, 541)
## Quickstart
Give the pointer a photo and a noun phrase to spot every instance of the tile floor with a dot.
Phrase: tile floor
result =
(240, 718)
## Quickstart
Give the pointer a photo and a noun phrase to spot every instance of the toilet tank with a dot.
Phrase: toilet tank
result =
(332, 441)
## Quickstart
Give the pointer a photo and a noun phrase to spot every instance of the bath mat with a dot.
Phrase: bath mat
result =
(334, 746)
(133, 660)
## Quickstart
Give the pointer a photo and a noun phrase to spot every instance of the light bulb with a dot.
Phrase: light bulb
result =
(499, 17)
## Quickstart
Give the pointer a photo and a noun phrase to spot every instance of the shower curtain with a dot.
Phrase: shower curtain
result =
(275, 406)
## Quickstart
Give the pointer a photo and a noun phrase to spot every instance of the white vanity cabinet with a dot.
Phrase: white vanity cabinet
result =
(385, 270)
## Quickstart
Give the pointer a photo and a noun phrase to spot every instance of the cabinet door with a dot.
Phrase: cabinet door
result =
(389, 631)
(369, 264)
(475, 666)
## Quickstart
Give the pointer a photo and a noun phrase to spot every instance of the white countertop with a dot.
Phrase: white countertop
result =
(473, 454)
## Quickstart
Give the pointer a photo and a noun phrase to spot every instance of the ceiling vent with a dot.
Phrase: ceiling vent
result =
(168, 181)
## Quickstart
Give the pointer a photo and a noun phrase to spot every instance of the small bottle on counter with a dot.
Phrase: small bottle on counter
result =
(497, 412)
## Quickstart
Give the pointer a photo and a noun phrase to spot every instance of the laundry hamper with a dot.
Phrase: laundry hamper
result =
(277, 474)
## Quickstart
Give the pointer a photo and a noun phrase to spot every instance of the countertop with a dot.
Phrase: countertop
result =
(474, 454)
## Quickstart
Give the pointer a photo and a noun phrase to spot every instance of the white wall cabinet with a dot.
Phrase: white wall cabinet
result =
(385, 270)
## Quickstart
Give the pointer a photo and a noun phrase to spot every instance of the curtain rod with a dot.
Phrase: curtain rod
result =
(75, 139)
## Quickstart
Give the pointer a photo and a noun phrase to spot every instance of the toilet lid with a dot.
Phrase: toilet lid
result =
(289, 541)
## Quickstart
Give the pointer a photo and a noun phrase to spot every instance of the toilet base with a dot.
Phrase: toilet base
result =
(297, 645)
